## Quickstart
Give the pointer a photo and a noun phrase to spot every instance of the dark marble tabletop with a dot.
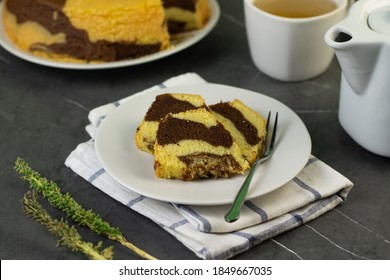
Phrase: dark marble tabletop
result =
(43, 114)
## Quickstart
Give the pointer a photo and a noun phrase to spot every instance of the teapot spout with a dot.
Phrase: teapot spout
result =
(357, 58)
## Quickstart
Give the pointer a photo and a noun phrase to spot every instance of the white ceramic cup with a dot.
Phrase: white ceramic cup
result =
(290, 49)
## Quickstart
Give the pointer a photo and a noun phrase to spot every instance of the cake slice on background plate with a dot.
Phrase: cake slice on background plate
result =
(84, 31)
(87, 30)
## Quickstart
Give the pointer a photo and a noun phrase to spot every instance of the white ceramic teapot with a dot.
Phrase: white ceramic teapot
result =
(362, 46)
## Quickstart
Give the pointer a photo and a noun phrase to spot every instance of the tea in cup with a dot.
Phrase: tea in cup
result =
(286, 37)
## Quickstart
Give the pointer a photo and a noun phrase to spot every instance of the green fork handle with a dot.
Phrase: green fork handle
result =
(234, 212)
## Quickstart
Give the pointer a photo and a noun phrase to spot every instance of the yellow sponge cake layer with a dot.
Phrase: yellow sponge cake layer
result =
(138, 21)
(163, 104)
(245, 125)
(192, 145)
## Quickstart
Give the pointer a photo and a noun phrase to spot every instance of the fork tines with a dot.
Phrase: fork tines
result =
(270, 143)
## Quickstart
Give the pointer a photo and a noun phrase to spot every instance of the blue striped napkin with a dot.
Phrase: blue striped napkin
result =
(315, 190)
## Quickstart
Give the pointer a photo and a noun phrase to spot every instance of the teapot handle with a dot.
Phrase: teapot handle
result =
(339, 36)
(340, 33)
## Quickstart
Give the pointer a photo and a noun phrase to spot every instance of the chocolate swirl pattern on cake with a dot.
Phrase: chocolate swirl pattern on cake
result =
(193, 144)
(193, 141)
(189, 130)
(240, 122)
(165, 104)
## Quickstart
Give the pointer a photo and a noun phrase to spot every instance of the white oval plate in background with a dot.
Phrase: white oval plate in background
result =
(189, 39)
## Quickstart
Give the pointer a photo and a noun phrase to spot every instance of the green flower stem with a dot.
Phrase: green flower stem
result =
(73, 210)
(69, 236)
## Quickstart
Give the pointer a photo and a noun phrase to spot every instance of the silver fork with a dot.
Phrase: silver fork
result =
(234, 212)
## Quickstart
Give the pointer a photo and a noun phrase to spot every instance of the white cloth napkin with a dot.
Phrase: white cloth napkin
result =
(314, 191)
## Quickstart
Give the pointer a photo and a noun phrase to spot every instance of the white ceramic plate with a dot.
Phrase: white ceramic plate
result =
(116, 150)
(180, 44)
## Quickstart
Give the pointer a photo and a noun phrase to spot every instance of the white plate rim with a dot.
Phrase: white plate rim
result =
(195, 37)
(290, 154)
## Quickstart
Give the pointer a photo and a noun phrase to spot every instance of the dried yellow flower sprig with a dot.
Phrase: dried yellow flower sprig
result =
(69, 236)
(71, 208)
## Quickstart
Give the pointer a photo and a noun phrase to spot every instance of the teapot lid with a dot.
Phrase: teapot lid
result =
(379, 20)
